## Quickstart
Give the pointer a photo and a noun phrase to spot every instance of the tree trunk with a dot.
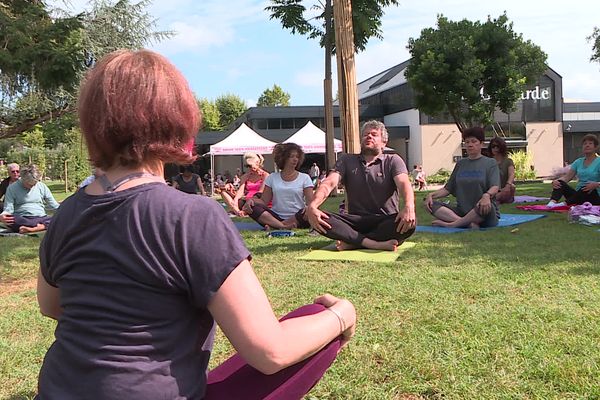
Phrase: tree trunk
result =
(327, 92)
(348, 96)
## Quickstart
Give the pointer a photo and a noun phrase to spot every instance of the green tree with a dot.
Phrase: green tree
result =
(230, 107)
(42, 59)
(595, 39)
(211, 117)
(295, 16)
(470, 69)
(274, 97)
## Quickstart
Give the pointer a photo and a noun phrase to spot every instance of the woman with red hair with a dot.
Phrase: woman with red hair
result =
(137, 273)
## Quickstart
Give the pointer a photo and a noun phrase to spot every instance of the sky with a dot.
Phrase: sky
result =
(231, 46)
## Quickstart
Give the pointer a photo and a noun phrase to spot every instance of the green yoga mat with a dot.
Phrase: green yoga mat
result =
(330, 253)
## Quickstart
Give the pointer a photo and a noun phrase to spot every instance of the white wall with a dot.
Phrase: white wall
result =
(408, 118)
(545, 142)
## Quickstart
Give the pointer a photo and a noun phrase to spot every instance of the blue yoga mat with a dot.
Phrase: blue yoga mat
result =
(248, 226)
(505, 220)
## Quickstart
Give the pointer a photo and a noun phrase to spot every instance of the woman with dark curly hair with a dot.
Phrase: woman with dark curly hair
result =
(498, 150)
(289, 190)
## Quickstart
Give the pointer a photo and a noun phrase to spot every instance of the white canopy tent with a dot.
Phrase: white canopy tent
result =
(240, 141)
(312, 139)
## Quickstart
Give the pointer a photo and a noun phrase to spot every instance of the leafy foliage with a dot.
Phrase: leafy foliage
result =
(295, 16)
(42, 58)
(523, 165)
(274, 97)
(230, 107)
(211, 116)
(595, 39)
(471, 68)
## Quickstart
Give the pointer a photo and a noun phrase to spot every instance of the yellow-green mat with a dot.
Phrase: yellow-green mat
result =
(330, 253)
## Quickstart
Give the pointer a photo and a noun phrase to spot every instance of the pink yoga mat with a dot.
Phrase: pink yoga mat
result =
(541, 207)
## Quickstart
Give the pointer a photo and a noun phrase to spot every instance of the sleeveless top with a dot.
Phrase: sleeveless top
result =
(253, 187)
(188, 187)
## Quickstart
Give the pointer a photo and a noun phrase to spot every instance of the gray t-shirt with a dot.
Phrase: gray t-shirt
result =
(371, 189)
(136, 270)
(470, 179)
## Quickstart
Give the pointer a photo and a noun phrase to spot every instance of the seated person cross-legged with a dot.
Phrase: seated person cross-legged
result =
(373, 182)
(587, 171)
(138, 285)
(474, 182)
(189, 182)
(288, 189)
(498, 150)
(251, 184)
(26, 201)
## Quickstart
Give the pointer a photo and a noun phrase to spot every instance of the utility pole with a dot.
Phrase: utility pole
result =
(348, 95)
(327, 91)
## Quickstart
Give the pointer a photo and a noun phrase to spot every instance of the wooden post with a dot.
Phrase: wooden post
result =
(327, 92)
(348, 95)
(66, 177)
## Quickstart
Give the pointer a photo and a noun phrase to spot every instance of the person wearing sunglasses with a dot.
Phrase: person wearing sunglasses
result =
(13, 176)
(498, 150)
(252, 184)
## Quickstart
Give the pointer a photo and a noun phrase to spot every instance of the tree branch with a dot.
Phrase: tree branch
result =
(23, 126)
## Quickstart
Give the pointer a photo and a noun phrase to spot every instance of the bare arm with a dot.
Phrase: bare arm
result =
(309, 195)
(244, 313)
(48, 298)
(438, 194)
(511, 175)
(201, 186)
(316, 217)
(406, 218)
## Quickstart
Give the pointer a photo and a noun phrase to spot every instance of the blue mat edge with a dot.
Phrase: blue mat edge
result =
(442, 230)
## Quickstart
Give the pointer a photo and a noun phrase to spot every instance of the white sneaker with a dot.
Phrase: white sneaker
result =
(553, 204)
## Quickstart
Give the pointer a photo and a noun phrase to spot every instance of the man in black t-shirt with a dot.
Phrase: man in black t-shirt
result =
(373, 181)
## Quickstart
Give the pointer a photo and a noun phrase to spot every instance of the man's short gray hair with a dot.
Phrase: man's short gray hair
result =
(31, 174)
(373, 124)
(12, 166)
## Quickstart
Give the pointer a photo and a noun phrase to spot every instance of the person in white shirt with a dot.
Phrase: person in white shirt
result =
(289, 190)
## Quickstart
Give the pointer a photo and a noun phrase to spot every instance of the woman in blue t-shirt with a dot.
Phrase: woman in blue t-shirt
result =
(587, 171)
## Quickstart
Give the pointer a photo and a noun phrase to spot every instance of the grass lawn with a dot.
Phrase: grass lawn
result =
(477, 315)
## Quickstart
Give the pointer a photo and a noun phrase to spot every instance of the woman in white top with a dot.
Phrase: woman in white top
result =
(289, 190)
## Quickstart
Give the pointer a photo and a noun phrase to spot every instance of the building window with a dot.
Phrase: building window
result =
(287, 123)
(274, 123)
(260, 124)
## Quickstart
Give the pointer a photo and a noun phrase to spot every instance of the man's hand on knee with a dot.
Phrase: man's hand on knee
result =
(406, 220)
(317, 219)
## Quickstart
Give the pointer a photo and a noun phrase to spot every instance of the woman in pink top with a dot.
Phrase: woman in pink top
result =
(252, 184)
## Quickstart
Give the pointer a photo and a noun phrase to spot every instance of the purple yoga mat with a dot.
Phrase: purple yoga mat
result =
(234, 379)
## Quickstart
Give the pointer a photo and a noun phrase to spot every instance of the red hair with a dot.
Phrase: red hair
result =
(135, 107)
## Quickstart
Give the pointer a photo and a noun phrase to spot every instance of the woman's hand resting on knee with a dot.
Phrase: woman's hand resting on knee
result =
(345, 312)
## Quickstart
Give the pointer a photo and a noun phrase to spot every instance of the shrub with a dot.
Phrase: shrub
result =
(439, 177)
(523, 165)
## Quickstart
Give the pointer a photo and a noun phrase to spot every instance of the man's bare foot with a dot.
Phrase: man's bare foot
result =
(389, 245)
(473, 225)
(341, 246)
(28, 229)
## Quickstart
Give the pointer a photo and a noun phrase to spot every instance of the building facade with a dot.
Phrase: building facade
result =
(542, 124)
